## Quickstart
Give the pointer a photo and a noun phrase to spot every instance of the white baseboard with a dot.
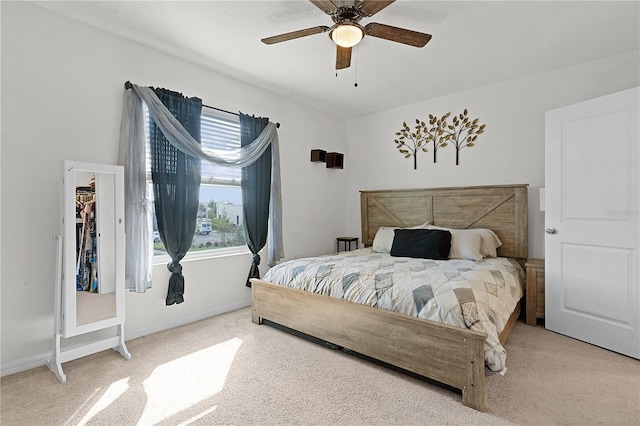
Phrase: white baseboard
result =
(183, 321)
(43, 358)
(26, 363)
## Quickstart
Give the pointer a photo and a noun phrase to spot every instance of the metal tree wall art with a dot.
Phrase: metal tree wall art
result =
(437, 133)
(463, 132)
(417, 140)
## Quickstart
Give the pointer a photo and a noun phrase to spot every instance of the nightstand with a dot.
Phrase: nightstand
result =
(346, 240)
(535, 290)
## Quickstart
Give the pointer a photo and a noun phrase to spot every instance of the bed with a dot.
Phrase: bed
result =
(448, 354)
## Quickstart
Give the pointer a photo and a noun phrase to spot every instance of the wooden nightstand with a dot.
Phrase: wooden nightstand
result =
(535, 290)
(346, 240)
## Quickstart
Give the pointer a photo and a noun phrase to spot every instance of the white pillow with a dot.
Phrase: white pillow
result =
(383, 240)
(466, 247)
(490, 242)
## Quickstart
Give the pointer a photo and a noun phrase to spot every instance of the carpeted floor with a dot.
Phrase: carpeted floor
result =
(227, 371)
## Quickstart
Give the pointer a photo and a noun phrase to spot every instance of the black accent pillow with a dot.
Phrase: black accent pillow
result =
(421, 243)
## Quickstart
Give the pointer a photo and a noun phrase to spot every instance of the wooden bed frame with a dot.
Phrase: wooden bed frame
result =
(448, 354)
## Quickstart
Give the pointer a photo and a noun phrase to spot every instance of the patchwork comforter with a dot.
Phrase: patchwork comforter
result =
(477, 295)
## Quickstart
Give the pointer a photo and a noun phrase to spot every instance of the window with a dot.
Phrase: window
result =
(219, 221)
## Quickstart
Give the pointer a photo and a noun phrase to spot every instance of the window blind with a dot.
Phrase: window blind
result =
(218, 130)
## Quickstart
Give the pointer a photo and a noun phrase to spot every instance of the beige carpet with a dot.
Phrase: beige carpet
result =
(228, 371)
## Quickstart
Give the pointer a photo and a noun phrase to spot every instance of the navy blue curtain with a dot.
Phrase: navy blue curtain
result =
(256, 191)
(176, 186)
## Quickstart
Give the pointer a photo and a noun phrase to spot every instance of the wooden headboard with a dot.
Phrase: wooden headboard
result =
(501, 208)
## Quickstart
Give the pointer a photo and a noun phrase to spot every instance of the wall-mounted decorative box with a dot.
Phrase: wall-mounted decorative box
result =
(335, 160)
(318, 156)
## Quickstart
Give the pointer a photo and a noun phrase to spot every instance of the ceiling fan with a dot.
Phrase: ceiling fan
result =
(347, 32)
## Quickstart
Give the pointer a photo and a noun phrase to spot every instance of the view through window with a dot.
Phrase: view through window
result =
(219, 220)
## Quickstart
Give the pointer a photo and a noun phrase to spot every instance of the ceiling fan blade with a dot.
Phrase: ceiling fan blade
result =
(343, 57)
(371, 7)
(327, 6)
(399, 35)
(295, 34)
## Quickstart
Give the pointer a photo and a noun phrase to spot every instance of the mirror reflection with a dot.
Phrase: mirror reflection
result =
(95, 246)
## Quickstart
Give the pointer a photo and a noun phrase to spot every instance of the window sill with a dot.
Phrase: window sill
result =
(204, 255)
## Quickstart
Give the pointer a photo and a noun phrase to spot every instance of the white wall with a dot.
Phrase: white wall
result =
(511, 150)
(62, 85)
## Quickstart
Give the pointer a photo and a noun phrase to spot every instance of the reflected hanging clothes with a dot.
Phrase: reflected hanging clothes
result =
(86, 241)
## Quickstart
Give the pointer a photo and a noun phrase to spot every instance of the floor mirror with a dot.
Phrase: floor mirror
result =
(89, 280)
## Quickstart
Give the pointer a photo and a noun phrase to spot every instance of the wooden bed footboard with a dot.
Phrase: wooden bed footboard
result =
(447, 354)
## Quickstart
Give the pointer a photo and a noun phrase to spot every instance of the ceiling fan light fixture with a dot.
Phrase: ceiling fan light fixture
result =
(347, 35)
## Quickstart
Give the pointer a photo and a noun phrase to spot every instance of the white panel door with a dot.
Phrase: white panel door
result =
(592, 240)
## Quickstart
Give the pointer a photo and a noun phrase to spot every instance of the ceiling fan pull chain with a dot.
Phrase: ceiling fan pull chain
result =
(355, 65)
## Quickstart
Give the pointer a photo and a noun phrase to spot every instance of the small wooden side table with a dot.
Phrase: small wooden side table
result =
(535, 290)
(346, 240)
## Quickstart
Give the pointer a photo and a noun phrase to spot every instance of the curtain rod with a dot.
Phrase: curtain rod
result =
(128, 85)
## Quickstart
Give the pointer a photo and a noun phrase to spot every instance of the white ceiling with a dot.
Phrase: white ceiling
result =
(475, 43)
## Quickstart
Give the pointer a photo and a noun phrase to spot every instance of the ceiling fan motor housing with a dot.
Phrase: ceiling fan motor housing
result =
(346, 14)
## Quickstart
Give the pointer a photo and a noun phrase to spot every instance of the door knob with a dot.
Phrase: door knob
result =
(550, 231)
